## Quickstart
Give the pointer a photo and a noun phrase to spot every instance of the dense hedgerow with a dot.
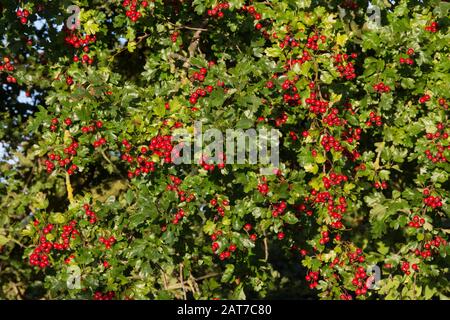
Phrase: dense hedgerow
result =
(93, 207)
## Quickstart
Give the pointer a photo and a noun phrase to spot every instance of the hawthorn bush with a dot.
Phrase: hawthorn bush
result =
(93, 207)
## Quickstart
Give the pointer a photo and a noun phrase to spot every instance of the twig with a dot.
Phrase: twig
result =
(191, 28)
(139, 40)
(193, 45)
(266, 248)
(182, 281)
(164, 280)
(179, 285)
(69, 189)
(178, 56)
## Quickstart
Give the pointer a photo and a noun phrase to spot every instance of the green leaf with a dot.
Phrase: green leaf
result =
(227, 276)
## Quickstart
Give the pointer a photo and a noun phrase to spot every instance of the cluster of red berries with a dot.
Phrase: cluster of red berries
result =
(406, 266)
(333, 180)
(39, 256)
(205, 162)
(293, 135)
(69, 232)
(69, 80)
(360, 281)
(132, 7)
(69, 259)
(174, 36)
(433, 27)
(200, 75)
(199, 93)
(39, 259)
(263, 187)
(346, 296)
(104, 296)
(329, 142)
(143, 165)
(356, 256)
(312, 277)
(374, 119)
(345, 66)
(107, 242)
(316, 105)
(217, 11)
(162, 147)
(439, 156)
(63, 163)
(302, 207)
(214, 203)
(55, 122)
(332, 118)
(181, 193)
(408, 60)
(311, 42)
(416, 222)
(292, 62)
(289, 41)
(381, 87)
(72, 148)
(325, 238)
(91, 128)
(424, 98)
(335, 210)
(256, 16)
(292, 98)
(248, 227)
(215, 246)
(278, 209)
(179, 215)
(7, 66)
(99, 142)
(89, 213)
(281, 119)
(79, 41)
(252, 11)
(430, 247)
(381, 185)
(349, 4)
(23, 15)
(352, 134)
(433, 202)
(441, 102)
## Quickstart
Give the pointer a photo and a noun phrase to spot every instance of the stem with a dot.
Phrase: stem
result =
(69, 189)
(182, 281)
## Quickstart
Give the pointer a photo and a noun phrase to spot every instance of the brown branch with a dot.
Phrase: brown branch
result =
(182, 281)
(178, 57)
(192, 47)
(266, 248)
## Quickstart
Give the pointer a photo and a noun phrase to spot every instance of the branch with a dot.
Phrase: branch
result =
(178, 57)
(192, 47)
(192, 28)
(182, 281)
(266, 248)
(69, 189)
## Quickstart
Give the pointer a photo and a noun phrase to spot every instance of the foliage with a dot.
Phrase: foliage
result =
(363, 116)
